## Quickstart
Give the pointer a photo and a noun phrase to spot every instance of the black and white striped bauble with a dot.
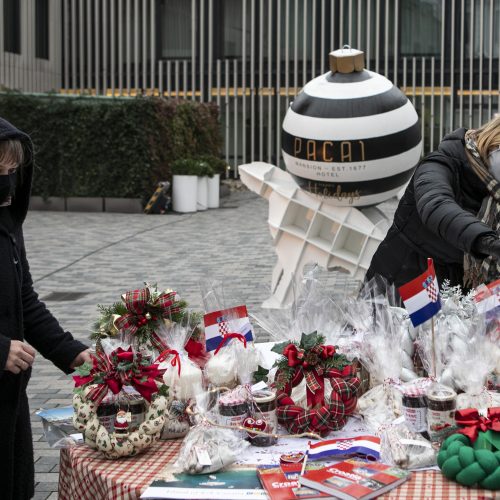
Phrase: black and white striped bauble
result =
(351, 138)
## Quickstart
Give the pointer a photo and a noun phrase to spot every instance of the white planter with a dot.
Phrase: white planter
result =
(213, 191)
(202, 193)
(184, 193)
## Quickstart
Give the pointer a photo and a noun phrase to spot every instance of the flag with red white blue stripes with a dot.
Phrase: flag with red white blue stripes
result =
(421, 296)
(365, 446)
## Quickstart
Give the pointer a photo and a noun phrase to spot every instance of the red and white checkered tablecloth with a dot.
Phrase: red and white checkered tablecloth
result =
(85, 475)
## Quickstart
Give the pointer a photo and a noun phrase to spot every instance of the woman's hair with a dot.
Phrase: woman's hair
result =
(11, 153)
(488, 137)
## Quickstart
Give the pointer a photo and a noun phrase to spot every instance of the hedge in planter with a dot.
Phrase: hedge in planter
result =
(110, 147)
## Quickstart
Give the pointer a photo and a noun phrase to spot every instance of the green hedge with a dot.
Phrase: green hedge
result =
(109, 147)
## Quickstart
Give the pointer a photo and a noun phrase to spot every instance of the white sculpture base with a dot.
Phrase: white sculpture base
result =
(307, 230)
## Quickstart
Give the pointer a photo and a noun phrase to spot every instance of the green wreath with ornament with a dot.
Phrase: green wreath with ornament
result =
(471, 457)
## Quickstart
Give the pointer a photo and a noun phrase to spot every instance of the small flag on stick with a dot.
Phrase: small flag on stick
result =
(421, 296)
(365, 446)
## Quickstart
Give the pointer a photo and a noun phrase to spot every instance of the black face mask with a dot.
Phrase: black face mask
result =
(7, 188)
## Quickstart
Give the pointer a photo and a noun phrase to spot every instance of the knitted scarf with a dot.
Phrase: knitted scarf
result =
(477, 271)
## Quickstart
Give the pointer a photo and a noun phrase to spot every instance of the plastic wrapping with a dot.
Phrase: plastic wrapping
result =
(235, 348)
(208, 448)
(182, 375)
(404, 448)
(471, 371)
(311, 311)
(380, 352)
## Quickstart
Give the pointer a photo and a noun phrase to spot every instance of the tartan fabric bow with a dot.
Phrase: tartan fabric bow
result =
(140, 306)
(308, 363)
(474, 423)
(119, 369)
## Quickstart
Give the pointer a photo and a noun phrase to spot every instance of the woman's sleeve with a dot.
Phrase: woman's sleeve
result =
(41, 329)
(437, 207)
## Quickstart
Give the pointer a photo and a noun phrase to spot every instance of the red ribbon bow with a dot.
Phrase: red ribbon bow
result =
(473, 422)
(175, 361)
(138, 302)
(229, 336)
(294, 355)
(315, 380)
(119, 369)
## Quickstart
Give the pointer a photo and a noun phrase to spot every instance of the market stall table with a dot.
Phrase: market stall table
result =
(86, 475)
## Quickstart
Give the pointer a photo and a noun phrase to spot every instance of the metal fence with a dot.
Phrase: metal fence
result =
(444, 54)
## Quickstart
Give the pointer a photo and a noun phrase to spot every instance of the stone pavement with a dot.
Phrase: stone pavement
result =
(103, 255)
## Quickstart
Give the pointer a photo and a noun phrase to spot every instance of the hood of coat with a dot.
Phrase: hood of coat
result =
(20, 202)
(453, 144)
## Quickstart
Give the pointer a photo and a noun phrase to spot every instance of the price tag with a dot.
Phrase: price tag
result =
(259, 386)
(203, 456)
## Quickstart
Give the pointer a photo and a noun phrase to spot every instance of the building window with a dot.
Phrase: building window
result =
(420, 27)
(176, 29)
(42, 28)
(12, 26)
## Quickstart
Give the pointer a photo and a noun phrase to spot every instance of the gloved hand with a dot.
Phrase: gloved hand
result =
(488, 245)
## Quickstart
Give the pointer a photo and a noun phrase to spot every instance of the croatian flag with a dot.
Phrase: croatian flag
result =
(218, 324)
(421, 296)
(365, 446)
(487, 297)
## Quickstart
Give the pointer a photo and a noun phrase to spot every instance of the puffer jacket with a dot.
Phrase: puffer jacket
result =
(436, 218)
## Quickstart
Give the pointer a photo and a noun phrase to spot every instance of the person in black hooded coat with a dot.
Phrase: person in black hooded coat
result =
(436, 217)
(23, 319)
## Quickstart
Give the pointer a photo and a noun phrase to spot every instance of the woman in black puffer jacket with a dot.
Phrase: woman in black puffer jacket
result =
(442, 213)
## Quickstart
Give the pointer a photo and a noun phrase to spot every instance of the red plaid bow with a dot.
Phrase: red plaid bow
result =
(119, 369)
(474, 423)
(314, 375)
(138, 305)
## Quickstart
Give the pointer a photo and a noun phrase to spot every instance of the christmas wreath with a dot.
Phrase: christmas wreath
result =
(315, 362)
(111, 373)
(472, 455)
(139, 316)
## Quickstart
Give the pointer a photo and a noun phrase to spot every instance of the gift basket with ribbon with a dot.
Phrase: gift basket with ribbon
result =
(113, 369)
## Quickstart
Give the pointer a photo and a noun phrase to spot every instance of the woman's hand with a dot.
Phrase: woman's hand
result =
(83, 357)
(488, 245)
(20, 358)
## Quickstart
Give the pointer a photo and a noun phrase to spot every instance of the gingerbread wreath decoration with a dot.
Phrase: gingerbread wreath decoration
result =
(111, 373)
(315, 362)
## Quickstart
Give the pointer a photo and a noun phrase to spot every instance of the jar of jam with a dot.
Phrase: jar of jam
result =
(233, 411)
(265, 402)
(137, 409)
(441, 404)
(106, 413)
(415, 412)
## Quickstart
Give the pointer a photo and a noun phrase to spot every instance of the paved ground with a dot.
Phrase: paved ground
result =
(103, 255)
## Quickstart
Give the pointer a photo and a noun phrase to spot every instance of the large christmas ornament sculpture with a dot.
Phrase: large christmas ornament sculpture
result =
(351, 137)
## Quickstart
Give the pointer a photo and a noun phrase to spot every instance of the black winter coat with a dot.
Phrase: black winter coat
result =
(22, 317)
(436, 218)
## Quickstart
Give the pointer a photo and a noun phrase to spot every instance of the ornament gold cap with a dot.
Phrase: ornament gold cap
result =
(347, 60)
